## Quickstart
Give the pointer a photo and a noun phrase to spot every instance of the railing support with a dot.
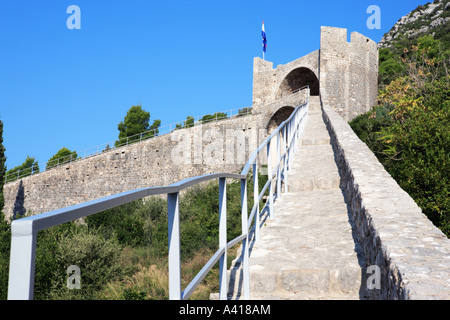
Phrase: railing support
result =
(173, 211)
(285, 144)
(223, 238)
(270, 176)
(279, 165)
(256, 200)
(245, 249)
(22, 262)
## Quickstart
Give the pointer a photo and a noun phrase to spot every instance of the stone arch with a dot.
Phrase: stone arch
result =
(298, 78)
(278, 117)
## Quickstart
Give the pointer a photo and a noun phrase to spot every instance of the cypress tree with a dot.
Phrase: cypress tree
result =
(5, 231)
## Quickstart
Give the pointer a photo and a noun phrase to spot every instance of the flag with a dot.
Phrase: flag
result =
(264, 38)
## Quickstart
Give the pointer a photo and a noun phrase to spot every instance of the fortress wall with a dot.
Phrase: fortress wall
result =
(221, 146)
(411, 255)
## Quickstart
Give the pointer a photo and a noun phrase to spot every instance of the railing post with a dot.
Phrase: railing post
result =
(279, 164)
(223, 238)
(255, 197)
(173, 212)
(245, 251)
(22, 261)
(285, 159)
(270, 175)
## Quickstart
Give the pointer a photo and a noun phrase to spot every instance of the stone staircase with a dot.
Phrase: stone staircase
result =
(308, 251)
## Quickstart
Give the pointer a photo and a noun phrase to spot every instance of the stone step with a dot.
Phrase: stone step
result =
(314, 167)
(314, 103)
(306, 252)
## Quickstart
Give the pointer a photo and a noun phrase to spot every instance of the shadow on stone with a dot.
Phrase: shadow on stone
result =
(19, 208)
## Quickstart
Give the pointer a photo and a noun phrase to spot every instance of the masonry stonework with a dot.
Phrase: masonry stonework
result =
(346, 73)
(219, 146)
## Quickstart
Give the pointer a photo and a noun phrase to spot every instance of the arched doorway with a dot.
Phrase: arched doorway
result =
(277, 118)
(298, 78)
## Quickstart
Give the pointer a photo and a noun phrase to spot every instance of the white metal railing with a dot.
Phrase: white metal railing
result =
(24, 230)
(137, 138)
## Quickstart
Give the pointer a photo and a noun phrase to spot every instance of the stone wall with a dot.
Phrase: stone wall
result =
(410, 253)
(222, 146)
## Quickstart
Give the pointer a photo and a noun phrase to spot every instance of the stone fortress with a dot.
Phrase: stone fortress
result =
(345, 72)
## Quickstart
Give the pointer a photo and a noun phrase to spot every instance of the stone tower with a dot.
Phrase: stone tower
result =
(346, 73)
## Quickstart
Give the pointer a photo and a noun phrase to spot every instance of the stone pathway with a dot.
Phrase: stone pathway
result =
(308, 250)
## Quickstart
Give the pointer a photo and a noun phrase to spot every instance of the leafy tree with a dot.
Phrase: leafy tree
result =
(190, 122)
(64, 155)
(244, 111)
(135, 126)
(28, 167)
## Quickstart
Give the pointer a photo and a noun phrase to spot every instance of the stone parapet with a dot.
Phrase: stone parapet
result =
(409, 258)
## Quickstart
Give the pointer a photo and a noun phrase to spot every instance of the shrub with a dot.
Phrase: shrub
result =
(63, 246)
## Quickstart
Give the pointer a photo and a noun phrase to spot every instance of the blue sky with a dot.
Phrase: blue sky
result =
(70, 88)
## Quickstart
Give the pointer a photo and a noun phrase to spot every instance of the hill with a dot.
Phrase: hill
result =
(430, 19)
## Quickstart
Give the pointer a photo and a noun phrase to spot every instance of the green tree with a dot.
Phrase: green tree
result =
(28, 167)
(244, 111)
(190, 122)
(2, 166)
(5, 231)
(135, 126)
(390, 67)
(212, 117)
(64, 155)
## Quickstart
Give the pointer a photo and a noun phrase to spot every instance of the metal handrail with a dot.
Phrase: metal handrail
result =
(24, 230)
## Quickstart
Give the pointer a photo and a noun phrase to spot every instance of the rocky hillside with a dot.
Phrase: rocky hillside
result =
(429, 19)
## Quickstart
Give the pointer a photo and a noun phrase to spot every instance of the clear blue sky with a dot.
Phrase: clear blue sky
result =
(70, 88)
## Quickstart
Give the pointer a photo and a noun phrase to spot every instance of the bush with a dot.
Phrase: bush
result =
(61, 247)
